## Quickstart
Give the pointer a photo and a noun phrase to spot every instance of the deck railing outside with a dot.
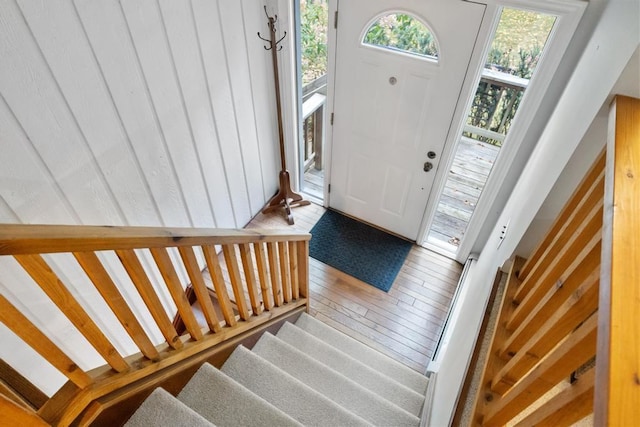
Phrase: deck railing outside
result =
(497, 97)
(312, 147)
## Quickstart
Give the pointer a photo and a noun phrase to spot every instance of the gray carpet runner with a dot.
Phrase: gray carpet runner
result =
(356, 370)
(308, 374)
(216, 397)
(376, 360)
(335, 386)
(162, 409)
(285, 392)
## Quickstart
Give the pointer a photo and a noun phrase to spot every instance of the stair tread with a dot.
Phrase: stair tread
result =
(285, 392)
(332, 384)
(353, 369)
(225, 402)
(161, 408)
(378, 361)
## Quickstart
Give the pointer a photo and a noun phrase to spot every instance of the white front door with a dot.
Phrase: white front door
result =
(392, 111)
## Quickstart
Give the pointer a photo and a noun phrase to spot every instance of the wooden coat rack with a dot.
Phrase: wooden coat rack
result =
(285, 198)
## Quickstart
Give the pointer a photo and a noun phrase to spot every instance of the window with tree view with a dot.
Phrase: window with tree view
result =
(513, 57)
(516, 49)
(402, 32)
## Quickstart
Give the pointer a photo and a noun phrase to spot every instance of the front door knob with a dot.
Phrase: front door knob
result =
(428, 166)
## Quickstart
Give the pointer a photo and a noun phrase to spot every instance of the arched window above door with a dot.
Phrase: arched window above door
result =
(402, 32)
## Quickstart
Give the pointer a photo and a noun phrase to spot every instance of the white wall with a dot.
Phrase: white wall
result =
(614, 40)
(131, 112)
(591, 145)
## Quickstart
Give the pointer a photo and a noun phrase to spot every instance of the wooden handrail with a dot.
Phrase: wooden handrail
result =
(16, 239)
(283, 287)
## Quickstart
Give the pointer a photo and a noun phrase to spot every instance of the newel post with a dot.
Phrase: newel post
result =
(617, 388)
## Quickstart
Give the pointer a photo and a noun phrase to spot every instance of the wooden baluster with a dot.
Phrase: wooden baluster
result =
(276, 287)
(49, 282)
(592, 180)
(236, 282)
(577, 349)
(261, 263)
(199, 287)
(163, 261)
(587, 236)
(293, 270)
(112, 296)
(589, 208)
(567, 407)
(303, 268)
(30, 334)
(587, 270)
(219, 285)
(138, 276)
(283, 257)
(250, 277)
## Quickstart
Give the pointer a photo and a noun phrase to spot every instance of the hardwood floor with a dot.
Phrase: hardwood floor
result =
(404, 323)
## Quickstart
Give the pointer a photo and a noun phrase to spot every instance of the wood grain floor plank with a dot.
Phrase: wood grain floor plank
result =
(371, 333)
(413, 327)
(432, 269)
(337, 298)
(404, 323)
(427, 324)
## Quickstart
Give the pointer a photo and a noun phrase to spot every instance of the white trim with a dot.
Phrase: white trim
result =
(331, 82)
(469, 86)
(569, 14)
(289, 87)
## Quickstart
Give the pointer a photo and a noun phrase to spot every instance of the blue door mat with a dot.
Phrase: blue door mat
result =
(361, 251)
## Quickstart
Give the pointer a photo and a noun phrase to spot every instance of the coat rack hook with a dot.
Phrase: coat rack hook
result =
(274, 18)
(266, 40)
(273, 44)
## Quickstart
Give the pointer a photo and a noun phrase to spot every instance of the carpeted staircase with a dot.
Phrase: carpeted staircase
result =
(307, 374)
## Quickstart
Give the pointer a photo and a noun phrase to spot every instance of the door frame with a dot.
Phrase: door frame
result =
(331, 84)
(466, 92)
(569, 13)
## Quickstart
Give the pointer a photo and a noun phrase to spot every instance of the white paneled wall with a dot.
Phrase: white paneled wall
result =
(130, 112)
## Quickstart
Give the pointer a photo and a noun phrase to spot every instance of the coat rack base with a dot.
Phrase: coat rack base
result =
(285, 199)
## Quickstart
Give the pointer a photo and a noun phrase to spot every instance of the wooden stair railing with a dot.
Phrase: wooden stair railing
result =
(617, 394)
(568, 298)
(267, 271)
